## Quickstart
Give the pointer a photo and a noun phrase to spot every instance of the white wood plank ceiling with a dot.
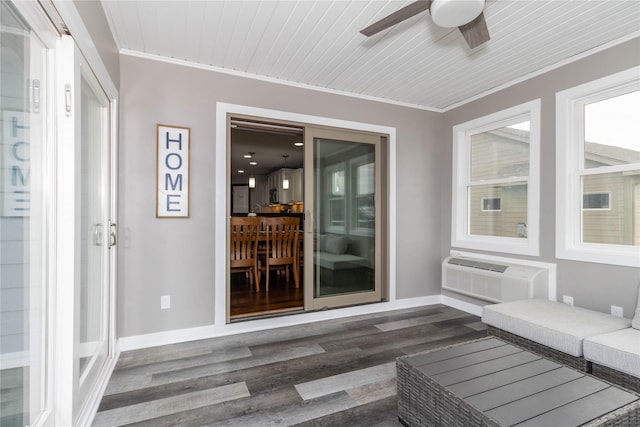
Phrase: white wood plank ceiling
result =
(318, 44)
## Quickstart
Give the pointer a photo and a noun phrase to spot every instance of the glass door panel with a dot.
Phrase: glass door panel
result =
(23, 239)
(344, 234)
(92, 291)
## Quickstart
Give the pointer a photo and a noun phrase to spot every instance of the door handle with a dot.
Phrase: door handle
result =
(113, 240)
(97, 234)
(308, 226)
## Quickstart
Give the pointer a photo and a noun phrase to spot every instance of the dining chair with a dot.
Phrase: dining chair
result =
(244, 248)
(282, 247)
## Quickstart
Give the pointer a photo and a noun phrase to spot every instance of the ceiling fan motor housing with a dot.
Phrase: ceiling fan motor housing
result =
(454, 13)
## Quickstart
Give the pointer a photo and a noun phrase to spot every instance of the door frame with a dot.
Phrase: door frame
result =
(222, 185)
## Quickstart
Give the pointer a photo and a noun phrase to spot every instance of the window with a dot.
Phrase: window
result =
(491, 204)
(496, 181)
(335, 196)
(364, 212)
(592, 201)
(350, 194)
(598, 170)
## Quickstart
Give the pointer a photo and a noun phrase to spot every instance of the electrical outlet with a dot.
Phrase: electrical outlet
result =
(165, 302)
(567, 300)
(617, 311)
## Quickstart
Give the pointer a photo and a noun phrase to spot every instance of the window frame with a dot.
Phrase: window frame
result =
(570, 170)
(460, 236)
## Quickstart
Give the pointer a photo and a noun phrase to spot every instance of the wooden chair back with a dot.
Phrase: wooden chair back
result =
(282, 244)
(243, 254)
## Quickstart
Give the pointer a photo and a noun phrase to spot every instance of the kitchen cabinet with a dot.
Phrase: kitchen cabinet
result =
(296, 186)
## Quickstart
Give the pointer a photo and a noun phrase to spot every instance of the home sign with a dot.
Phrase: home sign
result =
(172, 185)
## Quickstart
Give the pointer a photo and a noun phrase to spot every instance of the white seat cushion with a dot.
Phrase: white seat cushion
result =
(559, 326)
(636, 319)
(619, 350)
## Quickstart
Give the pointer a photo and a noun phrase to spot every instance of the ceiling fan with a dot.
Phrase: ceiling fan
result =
(467, 15)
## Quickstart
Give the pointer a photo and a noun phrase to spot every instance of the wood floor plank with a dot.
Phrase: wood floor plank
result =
(290, 374)
(195, 372)
(335, 383)
(142, 411)
(128, 378)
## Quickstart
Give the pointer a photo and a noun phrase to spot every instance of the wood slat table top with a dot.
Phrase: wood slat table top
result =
(516, 387)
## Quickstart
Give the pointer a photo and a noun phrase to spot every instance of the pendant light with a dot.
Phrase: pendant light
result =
(252, 179)
(285, 181)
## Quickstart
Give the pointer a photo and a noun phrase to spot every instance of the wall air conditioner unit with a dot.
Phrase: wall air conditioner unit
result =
(494, 282)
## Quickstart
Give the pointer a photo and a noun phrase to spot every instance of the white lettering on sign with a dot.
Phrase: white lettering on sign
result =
(16, 165)
(172, 195)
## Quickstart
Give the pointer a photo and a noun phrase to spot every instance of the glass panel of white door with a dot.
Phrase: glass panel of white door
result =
(343, 222)
(93, 195)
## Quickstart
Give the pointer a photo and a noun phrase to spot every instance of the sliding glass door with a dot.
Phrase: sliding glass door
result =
(343, 228)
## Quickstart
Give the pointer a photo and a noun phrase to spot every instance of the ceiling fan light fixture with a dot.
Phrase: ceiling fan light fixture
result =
(454, 13)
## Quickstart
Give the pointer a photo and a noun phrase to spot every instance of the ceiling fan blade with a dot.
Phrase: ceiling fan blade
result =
(475, 32)
(398, 16)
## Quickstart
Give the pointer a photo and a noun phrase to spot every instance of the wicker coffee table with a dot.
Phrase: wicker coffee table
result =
(492, 383)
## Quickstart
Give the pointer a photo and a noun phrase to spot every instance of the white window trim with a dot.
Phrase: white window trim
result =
(461, 169)
(569, 152)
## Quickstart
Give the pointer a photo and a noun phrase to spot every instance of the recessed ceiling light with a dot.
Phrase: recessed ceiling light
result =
(252, 163)
(240, 170)
(247, 156)
(298, 144)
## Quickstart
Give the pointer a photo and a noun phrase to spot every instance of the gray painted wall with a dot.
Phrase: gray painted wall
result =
(595, 286)
(176, 256)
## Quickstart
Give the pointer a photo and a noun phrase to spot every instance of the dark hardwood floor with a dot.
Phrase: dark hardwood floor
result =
(332, 373)
(283, 296)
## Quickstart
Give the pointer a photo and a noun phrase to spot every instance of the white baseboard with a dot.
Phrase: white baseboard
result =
(136, 342)
(474, 309)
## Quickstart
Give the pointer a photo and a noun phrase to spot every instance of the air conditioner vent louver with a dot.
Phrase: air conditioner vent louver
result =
(494, 282)
(478, 264)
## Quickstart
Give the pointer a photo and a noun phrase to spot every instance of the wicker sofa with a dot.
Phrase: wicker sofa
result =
(594, 342)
